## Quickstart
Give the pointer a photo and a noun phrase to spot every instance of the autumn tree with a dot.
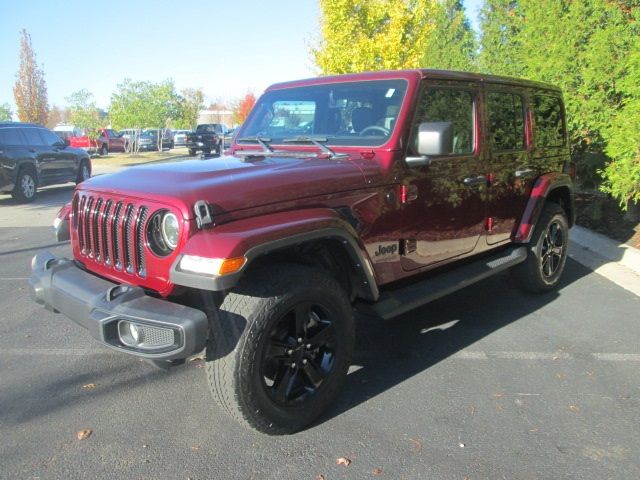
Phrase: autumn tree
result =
(362, 35)
(30, 89)
(452, 44)
(5, 112)
(57, 115)
(243, 107)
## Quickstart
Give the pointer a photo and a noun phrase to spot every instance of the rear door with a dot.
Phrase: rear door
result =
(511, 171)
(445, 214)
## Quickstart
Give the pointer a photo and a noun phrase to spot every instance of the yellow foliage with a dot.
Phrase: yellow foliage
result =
(366, 35)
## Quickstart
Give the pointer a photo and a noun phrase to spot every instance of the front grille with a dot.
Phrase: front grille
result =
(111, 232)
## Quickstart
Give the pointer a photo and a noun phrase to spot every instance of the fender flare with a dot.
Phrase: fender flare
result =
(256, 237)
(543, 188)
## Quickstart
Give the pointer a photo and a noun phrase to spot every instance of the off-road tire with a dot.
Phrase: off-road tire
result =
(542, 269)
(243, 331)
(26, 185)
(84, 172)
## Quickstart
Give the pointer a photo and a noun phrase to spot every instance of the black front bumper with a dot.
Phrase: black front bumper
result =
(100, 305)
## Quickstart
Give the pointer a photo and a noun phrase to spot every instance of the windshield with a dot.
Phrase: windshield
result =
(353, 113)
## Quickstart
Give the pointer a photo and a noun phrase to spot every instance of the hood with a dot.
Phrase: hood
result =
(231, 183)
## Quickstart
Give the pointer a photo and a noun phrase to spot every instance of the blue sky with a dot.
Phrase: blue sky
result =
(226, 48)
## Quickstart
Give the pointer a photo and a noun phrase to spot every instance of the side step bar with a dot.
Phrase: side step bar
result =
(397, 302)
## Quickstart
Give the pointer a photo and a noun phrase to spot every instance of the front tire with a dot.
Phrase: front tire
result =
(547, 255)
(280, 348)
(26, 186)
(104, 150)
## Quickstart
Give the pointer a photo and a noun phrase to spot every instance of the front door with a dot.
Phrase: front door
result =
(445, 213)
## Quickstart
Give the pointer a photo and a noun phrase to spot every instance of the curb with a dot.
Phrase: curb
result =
(615, 261)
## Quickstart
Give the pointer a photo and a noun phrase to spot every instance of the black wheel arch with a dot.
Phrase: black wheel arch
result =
(331, 249)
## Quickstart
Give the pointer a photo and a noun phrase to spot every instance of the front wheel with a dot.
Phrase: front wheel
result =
(547, 255)
(280, 348)
(84, 172)
(104, 150)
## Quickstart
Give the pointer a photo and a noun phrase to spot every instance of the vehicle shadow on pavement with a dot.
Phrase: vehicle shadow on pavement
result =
(390, 352)
(46, 197)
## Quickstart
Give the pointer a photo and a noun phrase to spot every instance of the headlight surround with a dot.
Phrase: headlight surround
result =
(163, 232)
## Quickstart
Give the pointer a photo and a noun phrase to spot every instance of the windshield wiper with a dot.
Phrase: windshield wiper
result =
(262, 141)
(317, 141)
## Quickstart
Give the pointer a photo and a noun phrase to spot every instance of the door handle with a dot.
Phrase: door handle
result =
(475, 180)
(524, 173)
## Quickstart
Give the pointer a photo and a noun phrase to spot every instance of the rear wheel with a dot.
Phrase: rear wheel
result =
(26, 185)
(280, 348)
(547, 255)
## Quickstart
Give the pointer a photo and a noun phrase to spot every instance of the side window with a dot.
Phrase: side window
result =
(506, 121)
(11, 136)
(48, 138)
(31, 134)
(549, 131)
(451, 106)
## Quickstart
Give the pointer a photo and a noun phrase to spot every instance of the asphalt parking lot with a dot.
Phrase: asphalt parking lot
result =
(486, 383)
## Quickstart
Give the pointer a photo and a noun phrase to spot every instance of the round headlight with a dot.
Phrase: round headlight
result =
(163, 232)
(170, 230)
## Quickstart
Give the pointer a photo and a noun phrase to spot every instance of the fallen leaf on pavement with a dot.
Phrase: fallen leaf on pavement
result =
(195, 448)
(84, 434)
(195, 358)
(573, 408)
(343, 461)
(320, 477)
(498, 395)
(89, 386)
(199, 365)
(376, 471)
(417, 446)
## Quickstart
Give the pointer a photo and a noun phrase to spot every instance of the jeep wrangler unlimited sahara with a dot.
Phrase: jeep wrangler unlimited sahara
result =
(373, 192)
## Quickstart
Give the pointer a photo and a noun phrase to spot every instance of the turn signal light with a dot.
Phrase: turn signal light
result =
(211, 266)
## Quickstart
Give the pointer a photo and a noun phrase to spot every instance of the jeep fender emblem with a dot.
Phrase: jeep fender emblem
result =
(384, 251)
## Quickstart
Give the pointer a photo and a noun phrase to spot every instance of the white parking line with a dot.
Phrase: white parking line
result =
(505, 355)
(618, 357)
(70, 352)
(13, 279)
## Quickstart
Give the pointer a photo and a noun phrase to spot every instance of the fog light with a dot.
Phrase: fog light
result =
(146, 337)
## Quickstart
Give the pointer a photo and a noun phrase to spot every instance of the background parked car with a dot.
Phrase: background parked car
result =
(32, 156)
(66, 131)
(108, 141)
(180, 137)
(149, 140)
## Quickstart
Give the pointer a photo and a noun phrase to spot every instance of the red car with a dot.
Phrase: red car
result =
(372, 193)
(109, 141)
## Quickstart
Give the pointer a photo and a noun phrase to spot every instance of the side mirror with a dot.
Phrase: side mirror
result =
(434, 139)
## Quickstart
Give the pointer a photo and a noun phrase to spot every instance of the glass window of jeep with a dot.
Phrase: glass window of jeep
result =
(350, 113)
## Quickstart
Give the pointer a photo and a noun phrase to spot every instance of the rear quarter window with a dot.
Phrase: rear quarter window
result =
(549, 122)
(506, 121)
(31, 134)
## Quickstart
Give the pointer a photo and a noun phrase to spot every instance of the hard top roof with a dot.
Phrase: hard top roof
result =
(417, 73)
(19, 124)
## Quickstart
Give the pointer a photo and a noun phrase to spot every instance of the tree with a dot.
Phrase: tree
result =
(84, 114)
(360, 35)
(452, 44)
(30, 89)
(5, 112)
(243, 107)
(140, 105)
(190, 103)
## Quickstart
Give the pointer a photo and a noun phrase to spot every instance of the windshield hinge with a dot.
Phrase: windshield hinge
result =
(203, 214)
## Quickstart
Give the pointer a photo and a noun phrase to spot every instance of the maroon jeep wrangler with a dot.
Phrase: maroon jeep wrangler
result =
(373, 192)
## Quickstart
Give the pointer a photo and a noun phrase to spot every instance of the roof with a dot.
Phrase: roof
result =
(19, 124)
(413, 74)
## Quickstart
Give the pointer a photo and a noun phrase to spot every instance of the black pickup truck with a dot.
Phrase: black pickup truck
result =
(207, 138)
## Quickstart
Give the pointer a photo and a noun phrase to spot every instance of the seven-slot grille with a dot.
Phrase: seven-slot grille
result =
(111, 232)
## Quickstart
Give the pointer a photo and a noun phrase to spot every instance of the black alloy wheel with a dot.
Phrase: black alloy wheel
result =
(553, 246)
(299, 354)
